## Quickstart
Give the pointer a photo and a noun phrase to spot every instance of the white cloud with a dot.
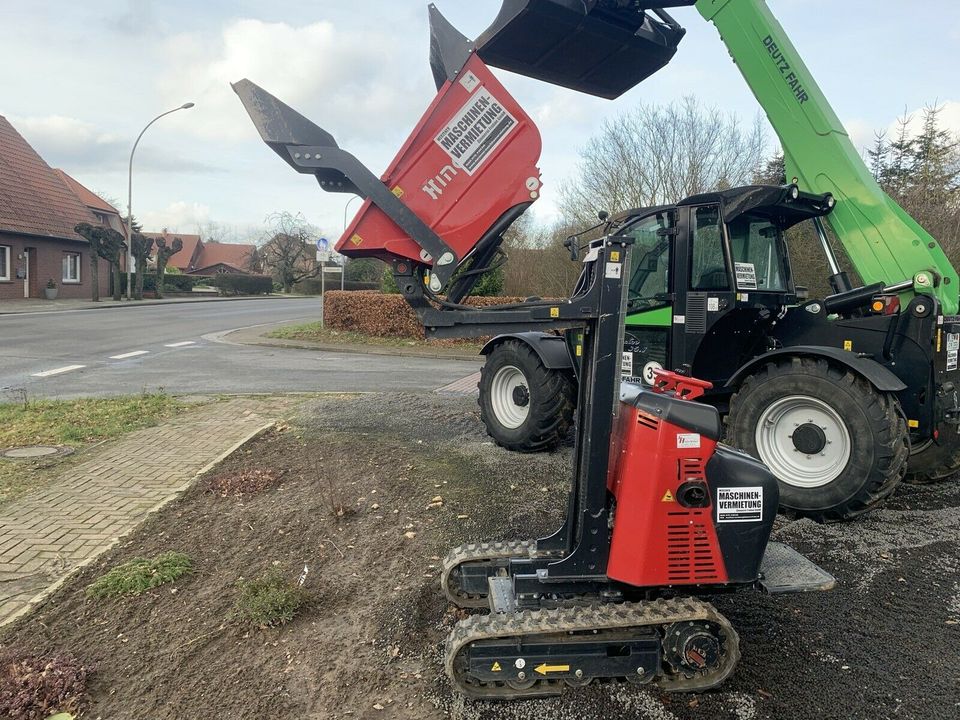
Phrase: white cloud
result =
(76, 146)
(346, 81)
(180, 216)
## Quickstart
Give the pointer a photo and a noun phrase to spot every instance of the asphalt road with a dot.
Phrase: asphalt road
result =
(180, 349)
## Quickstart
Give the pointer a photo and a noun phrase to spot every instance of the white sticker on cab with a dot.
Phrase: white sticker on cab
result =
(688, 440)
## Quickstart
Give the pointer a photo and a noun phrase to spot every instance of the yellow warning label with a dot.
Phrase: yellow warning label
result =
(667, 497)
(495, 667)
(579, 350)
(356, 240)
(398, 191)
(554, 312)
(913, 423)
(614, 256)
(939, 332)
(848, 344)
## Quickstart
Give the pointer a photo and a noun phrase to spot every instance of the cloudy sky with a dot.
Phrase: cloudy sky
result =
(81, 79)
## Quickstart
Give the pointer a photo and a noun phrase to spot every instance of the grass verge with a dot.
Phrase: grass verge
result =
(314, 333)
(141, 574)
(76, 423)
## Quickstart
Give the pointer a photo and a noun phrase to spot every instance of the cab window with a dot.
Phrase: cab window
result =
(708, 268)
(757, 249)
(650, 279)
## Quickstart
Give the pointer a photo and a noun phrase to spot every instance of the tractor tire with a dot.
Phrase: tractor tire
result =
(525, 406)
(836, 444)
(933, 463)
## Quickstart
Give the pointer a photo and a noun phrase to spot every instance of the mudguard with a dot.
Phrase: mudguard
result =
(872, 371)
(551, 349)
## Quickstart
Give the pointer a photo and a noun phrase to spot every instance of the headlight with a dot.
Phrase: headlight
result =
(831, 201)
(794, 192)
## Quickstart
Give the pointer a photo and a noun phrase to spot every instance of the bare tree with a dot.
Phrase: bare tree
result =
(287, 251)
(142, 247)
(661, 154)
(164, 253)
(105, 243)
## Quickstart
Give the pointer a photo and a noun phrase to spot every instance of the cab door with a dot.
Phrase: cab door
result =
(646, 340)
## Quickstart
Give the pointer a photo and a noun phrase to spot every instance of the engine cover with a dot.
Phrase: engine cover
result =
(688, 510)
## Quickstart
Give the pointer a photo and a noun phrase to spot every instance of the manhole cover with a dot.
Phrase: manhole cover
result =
(35, 451)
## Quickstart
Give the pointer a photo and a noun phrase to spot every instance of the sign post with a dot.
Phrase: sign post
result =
(323, 256)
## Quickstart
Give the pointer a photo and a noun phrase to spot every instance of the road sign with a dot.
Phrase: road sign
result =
(323, 256)
(333, 269)
(323, 245)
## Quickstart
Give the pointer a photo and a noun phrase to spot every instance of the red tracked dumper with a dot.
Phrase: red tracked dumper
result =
(658, 511)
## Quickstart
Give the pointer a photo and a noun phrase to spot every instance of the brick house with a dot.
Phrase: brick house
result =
(209, 258)
(38, 210)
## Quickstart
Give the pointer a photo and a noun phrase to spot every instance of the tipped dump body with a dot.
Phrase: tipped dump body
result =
(599, 47)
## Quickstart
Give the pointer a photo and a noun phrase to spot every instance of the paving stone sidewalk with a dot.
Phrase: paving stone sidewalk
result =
(50, 532)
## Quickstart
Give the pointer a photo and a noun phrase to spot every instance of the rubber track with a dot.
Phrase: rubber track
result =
(478, 552)
(564, 620)
(555, 420)
(893, 451)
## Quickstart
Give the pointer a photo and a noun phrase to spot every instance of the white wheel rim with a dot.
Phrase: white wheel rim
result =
(775, 444)
(505, 381)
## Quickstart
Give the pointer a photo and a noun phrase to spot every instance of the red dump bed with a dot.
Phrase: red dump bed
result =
(471, 158)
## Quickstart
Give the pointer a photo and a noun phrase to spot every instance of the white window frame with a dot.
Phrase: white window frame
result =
(5, 250)
(66, 264)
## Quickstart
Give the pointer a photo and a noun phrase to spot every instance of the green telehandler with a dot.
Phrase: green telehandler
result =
(840, 396)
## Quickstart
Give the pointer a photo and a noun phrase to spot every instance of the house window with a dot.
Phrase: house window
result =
(71, 267)
(4, 262)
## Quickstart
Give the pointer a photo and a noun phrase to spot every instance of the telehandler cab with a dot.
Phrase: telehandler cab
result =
(657, 509)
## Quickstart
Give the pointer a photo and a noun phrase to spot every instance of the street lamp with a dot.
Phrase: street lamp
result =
(185, 106)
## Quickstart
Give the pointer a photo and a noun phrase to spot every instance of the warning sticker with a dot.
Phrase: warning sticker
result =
(739, 504)
(626, 363)
(746, 276)
(713, 304)
(475, 132)
(953, 348)
(688, 440)
(614, 270)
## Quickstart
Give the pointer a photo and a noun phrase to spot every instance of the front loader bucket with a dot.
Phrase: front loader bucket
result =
(598, 47)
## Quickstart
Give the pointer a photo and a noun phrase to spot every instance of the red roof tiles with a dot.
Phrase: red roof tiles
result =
(33, 199)
(87, 197)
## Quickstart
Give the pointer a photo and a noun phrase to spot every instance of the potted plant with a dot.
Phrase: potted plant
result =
(50, 290)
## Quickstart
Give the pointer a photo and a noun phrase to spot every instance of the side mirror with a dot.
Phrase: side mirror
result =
(571, 244)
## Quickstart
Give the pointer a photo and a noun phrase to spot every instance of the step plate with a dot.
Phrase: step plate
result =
(501, 595)
(785, 570)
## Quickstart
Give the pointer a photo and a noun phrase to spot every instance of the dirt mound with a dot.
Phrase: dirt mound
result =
(370, 643)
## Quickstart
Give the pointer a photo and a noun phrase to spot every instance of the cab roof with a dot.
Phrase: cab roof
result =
(775, 202)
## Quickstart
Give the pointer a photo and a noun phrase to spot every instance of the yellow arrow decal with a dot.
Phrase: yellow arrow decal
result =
(543, 668)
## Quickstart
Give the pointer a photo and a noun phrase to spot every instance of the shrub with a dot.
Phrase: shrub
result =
(140, 575)
(238, 284)
(171, 283)
(383, 315)
(269, 600)
(33, 687)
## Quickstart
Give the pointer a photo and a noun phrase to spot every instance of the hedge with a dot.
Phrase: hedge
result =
(237, 284)
(171, 283)
(383, 315)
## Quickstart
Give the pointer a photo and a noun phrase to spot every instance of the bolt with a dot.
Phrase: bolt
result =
(521, 675)
(640, 670)
(579, 673)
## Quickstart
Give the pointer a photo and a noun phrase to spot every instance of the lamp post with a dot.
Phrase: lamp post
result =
(185, 106)
(343, 267)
